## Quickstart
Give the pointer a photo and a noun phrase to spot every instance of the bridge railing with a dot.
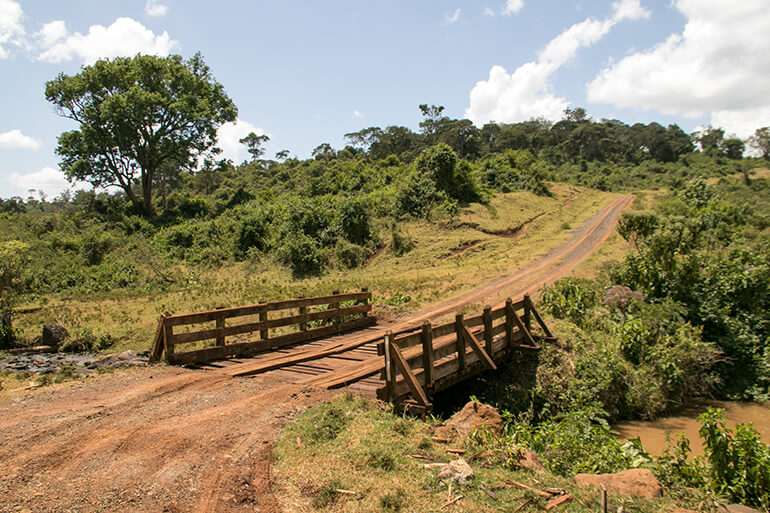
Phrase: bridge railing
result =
(246, 330)
(436, 357)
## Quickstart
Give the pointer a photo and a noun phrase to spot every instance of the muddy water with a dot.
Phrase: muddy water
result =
(653, 434)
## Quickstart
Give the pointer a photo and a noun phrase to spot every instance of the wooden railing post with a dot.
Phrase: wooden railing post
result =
(302, 311)
(528, 312)
(509, 322)
(427, 352)
(488, 330)
(168, 336)
(333, 305)
(363, 301)
(390, 368)
(460, 332)
(220, 327)
(264, 333)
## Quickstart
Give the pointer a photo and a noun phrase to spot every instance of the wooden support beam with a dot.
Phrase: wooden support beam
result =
(333, 305)
(409, 377)
(427, 352)
(459, 332)
(523, 328)
(539, 319)
(488, 329)
(363, 301)
(156, 351)
(484, 357)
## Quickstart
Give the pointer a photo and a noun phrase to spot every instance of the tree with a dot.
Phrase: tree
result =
(733, 148)
(254, 144)
(710, 139)
(282, 155)
(135, 114)
(760, 141)
(13, 257)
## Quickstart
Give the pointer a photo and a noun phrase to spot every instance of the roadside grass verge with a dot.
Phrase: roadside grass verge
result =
(356, 445)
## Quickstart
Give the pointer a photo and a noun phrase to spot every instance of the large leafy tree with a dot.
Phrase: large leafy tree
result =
(135, 115)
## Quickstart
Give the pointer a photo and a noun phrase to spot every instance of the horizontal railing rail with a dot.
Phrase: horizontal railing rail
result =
(262, 327)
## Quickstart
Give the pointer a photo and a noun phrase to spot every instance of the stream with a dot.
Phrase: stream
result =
(653, 433)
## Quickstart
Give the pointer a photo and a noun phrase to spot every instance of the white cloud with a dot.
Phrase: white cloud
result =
(11, 28)
(48, 180)
(716, 66)
(16, 140)
(512, 7)
(155, 8)
(488, 11)
(52, 33)
(228, 136)
(526, 92)
(358, 114)
(449, 19)
(124, 38)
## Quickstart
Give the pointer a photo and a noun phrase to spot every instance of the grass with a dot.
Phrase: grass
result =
(450, 257)
(369, 455)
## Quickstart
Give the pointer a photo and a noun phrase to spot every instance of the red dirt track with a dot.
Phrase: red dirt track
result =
(177, 440)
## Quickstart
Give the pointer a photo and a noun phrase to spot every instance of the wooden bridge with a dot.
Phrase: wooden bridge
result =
(309, 341)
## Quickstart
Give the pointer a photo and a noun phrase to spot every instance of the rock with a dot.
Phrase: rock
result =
(126, 355)
(457, 471)
(474, 415)
(529, 459)
(636, 482)
(736, 508)
(53, 335)
(682, 510)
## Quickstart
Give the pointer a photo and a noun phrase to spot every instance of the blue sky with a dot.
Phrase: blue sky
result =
(307, 72)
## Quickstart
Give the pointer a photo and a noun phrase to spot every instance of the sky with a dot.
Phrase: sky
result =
(306, 72)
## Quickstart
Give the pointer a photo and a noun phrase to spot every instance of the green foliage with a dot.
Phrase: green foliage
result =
(304, 255)
(738, 462)
(577, 441)
(350, 255)
(400, 244)
(253, 232)
(570, 298)
(136, 113)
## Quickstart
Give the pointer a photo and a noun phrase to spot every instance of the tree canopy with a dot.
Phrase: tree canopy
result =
(135, 114)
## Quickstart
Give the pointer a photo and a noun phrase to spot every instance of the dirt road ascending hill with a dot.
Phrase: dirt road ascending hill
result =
(167, 439)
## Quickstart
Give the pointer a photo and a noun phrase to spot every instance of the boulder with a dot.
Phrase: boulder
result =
(53, 335)
(636, 482)
(737, 508)
(457, 471)
(474, 415)
(529, 459)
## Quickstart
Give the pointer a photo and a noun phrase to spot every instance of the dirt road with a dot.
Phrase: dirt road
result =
(168, 439)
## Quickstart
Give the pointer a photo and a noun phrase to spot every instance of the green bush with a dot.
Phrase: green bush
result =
(570, 298)
(400, 244)
(253, 232)
(304, 255)
(349, 255)
(738, 462)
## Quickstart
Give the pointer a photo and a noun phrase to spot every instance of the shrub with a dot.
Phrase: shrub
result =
(350, 256)
(739, 463)
(400, 244)
(253, 232)
(570, 298)
(355, 222)
(416, 198)
(304, 255)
